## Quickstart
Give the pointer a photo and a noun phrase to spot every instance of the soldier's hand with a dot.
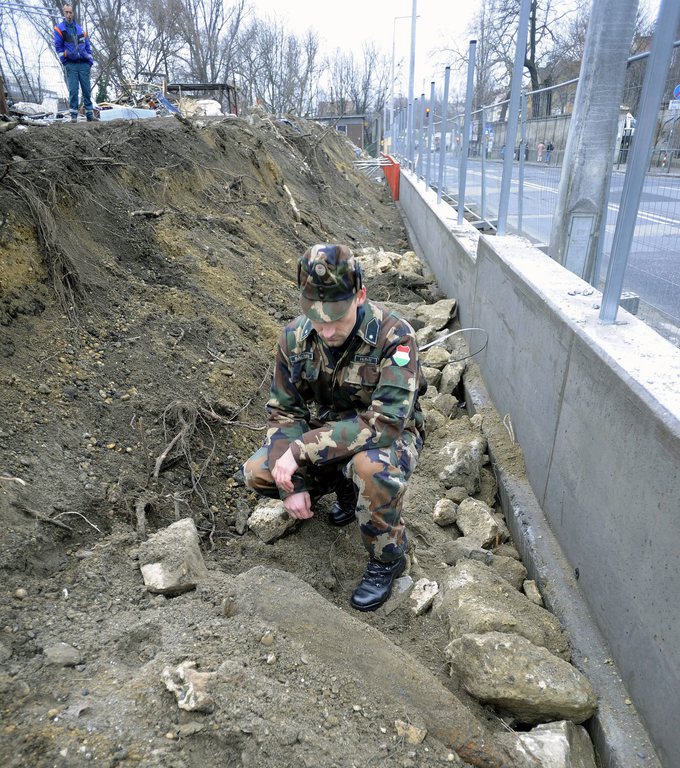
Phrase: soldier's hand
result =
(299, 506)
(283, 471)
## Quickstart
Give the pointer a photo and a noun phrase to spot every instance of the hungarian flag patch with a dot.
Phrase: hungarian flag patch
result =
(402, 355)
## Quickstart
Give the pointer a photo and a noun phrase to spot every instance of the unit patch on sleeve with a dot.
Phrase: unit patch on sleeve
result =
(402, 355)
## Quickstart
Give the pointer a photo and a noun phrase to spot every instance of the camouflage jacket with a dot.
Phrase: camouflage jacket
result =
(366, 401)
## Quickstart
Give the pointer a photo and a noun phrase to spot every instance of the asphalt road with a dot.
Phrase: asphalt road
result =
(653, 270)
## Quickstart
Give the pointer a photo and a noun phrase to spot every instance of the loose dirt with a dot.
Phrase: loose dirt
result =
(146, 270)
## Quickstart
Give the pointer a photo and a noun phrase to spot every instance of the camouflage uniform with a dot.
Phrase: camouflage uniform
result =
(358, 415)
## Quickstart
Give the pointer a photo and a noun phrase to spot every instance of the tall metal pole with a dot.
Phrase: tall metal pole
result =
(394, 31)
(394, 34)
(430, 135)
(522, 160)
(421, 134)
(411, 79)
(652, 91)
(511, 135)
(482, 207)
(444, 131)
(462, 171)
(586, 169)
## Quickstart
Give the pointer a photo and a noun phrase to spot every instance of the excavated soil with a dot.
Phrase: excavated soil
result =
(146, 270)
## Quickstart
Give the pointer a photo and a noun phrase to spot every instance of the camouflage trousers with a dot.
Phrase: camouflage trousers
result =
(380, 476)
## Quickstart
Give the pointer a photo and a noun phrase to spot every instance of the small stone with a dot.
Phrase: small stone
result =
(267, 639)
(531, 591)
(445, 512)
(410, 732)
(20, 593)
(228, 607)
(62, 654)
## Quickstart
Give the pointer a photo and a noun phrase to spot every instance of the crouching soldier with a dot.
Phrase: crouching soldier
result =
(343, 414)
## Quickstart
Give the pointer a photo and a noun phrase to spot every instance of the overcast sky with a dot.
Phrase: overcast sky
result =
(352, 23)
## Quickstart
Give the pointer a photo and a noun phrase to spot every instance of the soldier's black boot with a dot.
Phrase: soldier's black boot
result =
(342, 511)
(376, 584)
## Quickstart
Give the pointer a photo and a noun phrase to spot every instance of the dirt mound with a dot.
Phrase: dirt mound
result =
(146, 270)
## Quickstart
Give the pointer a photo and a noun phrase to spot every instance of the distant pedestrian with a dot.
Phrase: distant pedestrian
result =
(540, 149)
(74, 51)
(548, 151)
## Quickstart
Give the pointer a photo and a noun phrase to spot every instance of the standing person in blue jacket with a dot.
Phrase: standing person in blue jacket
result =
(75, 53)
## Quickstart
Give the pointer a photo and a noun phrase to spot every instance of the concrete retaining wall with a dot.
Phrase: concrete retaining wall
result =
(596, 410)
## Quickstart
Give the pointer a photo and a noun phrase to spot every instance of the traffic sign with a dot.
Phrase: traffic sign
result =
(676, 92)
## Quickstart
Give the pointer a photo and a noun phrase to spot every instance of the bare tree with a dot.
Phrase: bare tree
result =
(14, 67)
(209, 30)
(280, 70)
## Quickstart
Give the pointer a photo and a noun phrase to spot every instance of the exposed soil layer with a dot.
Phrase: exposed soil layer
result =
(146, 270)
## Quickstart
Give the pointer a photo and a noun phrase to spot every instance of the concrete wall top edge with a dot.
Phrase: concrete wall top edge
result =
(467, 237)
(649, 363)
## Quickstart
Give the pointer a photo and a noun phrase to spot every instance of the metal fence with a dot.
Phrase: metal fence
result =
(651, 283)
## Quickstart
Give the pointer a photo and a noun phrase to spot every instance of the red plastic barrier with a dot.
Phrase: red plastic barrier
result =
(391, 172)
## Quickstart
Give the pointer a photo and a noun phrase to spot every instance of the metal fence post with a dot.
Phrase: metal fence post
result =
(430, 136)
(482, 207)
(411, 75)
(518, 68)
(522, 160)
(462, 170)
(444, 132)
(638, 158)
(421, 136)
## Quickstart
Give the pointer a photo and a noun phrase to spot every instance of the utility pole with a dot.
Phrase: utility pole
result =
(411, 76)
(584, 183)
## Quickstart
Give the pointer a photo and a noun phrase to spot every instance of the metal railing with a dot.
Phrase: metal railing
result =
(651, 284)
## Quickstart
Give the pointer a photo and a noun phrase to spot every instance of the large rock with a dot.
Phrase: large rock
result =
(435, 357)
(410, 263)
(510, 568)
(446, 405)
(521, 678)
(171, 559)
(488, 487)
(476, 522)
(434, 419)
(451, 376)
(473, 599)
(374, 262)
(439, 314)
(270, 521)
(560, 745)
(445, 512)
(460, 462)
(432, 375)
(330, 635)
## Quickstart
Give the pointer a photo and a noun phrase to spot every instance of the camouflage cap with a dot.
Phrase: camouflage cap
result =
(329, 277)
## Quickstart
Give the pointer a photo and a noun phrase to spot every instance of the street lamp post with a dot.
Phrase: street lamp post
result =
(394, 33)
(412, 66)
